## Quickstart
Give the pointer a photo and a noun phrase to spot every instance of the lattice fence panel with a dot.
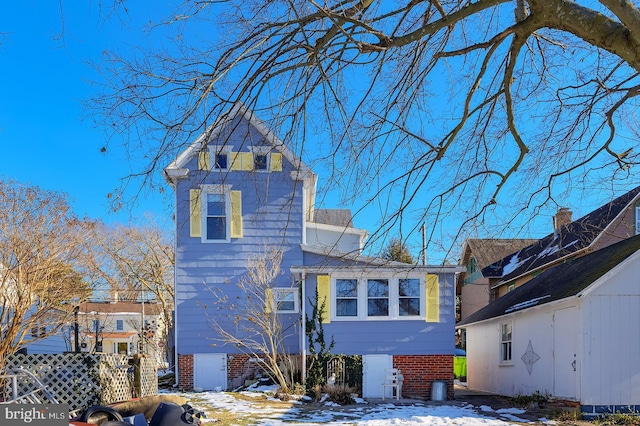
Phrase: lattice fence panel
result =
(71, 378)
(116, 378)
(148, 377)
(81, 380)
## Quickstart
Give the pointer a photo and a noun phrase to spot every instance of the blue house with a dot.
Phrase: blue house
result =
(239, 190)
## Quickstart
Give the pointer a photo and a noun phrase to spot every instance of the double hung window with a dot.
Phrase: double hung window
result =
(409, 297)
(378, 298)
(505, 342)
(216, 217)
(347, 297)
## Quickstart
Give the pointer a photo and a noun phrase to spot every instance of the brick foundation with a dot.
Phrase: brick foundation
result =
(185, 372)
(420, 370)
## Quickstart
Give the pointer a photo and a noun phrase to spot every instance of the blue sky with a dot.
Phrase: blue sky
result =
(45, 50)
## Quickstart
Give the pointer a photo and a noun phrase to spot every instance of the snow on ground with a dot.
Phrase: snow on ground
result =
(362, 414)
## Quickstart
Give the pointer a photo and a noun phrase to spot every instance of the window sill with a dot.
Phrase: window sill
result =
(347, 319)
(506, 364)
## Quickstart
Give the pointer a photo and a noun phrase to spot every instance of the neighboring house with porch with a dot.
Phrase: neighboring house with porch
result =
(240, 190)
(122, 327)
(472, 287)
(570, 239)
(571, 332)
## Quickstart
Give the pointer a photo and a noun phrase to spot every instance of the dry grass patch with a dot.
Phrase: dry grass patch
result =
(224, 417)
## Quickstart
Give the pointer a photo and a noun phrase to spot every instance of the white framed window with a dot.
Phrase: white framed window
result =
(506, 334)
(216, 217)
(286, 300)
(261, 157)
(221, 156)
(119, 325)
(637, 210)
(376, 298)
(346, 291)
(95, 325)
(216, 213)
(409, 297)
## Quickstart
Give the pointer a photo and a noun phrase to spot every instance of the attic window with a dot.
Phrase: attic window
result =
(221, 154)
(260, 161)
(222, 160)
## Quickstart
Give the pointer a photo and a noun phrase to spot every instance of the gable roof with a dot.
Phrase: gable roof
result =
(562, 281)
(486, 251)
(176, 168)
(572, 238)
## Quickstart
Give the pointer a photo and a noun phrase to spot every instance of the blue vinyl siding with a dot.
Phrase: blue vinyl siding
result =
(394, 336)
(272, 215)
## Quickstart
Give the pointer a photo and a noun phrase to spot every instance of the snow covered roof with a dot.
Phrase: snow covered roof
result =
(489, 250)
(577, 236)
(562, 281)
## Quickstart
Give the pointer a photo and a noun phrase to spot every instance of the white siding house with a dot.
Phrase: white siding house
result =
(571, 333)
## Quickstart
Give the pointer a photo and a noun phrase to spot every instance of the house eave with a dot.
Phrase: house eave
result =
(512, 313)
(336, 228)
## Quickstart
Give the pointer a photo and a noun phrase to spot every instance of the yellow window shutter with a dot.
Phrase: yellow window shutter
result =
(247, 161)
(236, 214)
(195, 213)
(269, 301)
(204, 160)
(276, 162)
(235, 161)
(433, 298)
(324, 295)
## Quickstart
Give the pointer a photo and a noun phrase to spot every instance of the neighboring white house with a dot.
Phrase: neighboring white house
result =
(119, 327)
(571, 332)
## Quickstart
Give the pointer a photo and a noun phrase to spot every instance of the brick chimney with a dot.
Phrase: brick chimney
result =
(562, 218)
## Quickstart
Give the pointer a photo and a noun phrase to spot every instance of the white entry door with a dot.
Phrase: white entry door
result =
(565, 353)
(210, 371)
(373, 367)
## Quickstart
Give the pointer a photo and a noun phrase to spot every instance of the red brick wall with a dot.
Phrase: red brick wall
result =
(420, 370)
(185, 372)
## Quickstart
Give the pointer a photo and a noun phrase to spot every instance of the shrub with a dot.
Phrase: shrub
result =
(340, 394)
(535, 398)
(632, 419)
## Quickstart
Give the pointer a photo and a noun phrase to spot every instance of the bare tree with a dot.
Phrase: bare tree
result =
(40, 242)
(488, 109)
(136, 263)
(251, 322)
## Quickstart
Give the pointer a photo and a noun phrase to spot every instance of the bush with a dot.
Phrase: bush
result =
(535, 398)
(340, 394)
(619, 419)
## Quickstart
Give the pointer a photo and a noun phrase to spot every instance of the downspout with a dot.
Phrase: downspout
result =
(174, 321)
(303, 335)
